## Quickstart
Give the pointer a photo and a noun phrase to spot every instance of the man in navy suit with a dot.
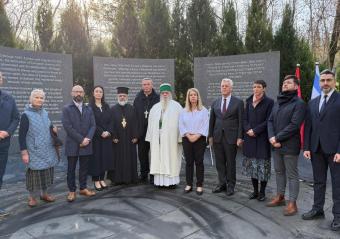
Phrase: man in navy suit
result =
(225, 132)
(79, 123)
(322, 146)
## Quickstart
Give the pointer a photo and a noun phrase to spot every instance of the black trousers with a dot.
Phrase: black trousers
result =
(194, 153)
(3, 162)
(71, 172)
(143, 155)
(225, 154)
(320, 164)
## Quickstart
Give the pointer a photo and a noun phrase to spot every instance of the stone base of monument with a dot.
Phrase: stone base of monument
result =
(144, 211)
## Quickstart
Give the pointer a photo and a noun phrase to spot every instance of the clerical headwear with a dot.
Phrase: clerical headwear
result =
(122, 90)
(165, 87)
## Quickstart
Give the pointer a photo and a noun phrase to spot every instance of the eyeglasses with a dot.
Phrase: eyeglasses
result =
(78, 91)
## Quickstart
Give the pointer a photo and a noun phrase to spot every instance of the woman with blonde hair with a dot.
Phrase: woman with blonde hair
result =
(193, 127)
(37, 150)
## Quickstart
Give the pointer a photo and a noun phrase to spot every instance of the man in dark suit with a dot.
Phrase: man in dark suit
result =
(79, 123)
(9, 121)
(322, 146)
(225, 132)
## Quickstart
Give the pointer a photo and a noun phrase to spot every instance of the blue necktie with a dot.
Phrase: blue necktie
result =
(323, 106)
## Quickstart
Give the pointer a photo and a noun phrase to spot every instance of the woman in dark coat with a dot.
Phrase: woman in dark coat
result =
(102, 140)
(256, 147)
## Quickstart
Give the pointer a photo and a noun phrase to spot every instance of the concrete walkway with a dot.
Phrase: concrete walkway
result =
(144, 211)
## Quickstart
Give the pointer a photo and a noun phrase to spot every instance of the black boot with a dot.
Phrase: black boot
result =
(262, 194)
(255, 183)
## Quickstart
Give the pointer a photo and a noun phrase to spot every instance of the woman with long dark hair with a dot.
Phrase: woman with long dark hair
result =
(102, 140)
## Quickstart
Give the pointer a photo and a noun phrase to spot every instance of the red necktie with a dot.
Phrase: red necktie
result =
(224, 107)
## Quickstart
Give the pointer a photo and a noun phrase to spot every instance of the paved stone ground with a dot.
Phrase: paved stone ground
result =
(144, 211)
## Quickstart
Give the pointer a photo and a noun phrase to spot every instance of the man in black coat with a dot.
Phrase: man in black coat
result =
(284, 134)
(79, 123)
(322, 146)
(143, 102)
(9, 121)
(225, 132)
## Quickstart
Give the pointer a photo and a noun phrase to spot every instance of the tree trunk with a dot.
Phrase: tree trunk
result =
(333, 46)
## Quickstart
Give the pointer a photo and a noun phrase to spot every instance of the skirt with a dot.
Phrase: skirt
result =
(39, 179)
(256, 168)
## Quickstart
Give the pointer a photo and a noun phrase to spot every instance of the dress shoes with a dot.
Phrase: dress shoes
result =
(313, 214)
(71, 196)
(86, 192)
(335, 226)
(291, 209)
(32, 202)
(97, 189)
(230, 191)
(219, 188)
(103, 186)
(261, 197)
(253, 195)
(186, 190)
(199, 192)
(278, 200)
(47, 198)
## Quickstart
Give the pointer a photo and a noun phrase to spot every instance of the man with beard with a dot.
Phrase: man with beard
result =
(284, 124)
(9, 121)
(164, 137)
(143, 103)
(79, 123)
(125, 137)
(322, 146)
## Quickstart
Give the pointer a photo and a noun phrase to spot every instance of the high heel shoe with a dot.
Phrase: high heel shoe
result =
(98, 189)
(199, 192)
(186, 190)
(103, 187)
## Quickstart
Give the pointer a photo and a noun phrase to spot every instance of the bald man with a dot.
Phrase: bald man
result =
(79, 124)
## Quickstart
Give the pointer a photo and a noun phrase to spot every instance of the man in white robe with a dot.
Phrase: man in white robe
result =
(165, 139)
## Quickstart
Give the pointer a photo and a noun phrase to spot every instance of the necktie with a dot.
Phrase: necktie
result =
(224, 107)
(323, 106)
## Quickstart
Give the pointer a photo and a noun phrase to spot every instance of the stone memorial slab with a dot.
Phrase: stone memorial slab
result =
(242, 69)
(24, 71)
(113, 72)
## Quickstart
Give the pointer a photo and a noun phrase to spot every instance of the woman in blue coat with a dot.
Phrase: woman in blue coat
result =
(37, 150)
(256, 147)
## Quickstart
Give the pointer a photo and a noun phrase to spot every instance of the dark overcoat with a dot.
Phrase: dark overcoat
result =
(78, 126)
(9, 117)
(102, 159)
(256, 118)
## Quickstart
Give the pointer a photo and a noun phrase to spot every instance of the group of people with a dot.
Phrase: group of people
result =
(158, 131)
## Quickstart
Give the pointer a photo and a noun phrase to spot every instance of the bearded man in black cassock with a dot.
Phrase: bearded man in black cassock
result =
(125, 137)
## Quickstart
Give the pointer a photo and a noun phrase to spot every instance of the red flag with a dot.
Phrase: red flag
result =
(302, 128)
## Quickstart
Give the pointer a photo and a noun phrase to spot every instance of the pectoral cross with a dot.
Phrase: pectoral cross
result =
(124, 123)
(146, 114)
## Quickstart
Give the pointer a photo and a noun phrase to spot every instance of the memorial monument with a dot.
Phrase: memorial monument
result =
(242, 69)
(24, 71)
(113, 72)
